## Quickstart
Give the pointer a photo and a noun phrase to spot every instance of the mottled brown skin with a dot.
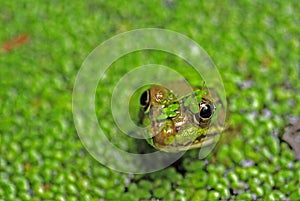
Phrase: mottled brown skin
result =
(179, 132)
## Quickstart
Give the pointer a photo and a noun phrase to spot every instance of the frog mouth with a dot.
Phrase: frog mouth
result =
(201, 141)
(192, 138)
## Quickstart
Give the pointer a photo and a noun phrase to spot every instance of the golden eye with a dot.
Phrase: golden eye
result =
(145, 99)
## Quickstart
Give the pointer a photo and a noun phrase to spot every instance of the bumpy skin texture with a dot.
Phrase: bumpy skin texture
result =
(185, 129)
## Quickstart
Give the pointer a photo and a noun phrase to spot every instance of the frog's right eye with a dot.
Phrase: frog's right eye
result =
(145, 99)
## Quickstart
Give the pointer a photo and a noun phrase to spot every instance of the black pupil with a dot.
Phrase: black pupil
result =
(206, 111)
(144, 99)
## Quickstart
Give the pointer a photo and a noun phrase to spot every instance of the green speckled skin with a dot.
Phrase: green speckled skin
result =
(180, 132)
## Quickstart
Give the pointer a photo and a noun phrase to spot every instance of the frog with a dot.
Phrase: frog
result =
(177, 123)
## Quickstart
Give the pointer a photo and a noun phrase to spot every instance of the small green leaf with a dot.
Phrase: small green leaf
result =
(171, 114)
(199, 98)
(173, 107)
(199, 94)
(162, 116)
(197, 91)
(165, 110)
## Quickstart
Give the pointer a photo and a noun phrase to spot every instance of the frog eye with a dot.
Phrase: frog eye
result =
(145, 99)
(206, 111)
(203, 117)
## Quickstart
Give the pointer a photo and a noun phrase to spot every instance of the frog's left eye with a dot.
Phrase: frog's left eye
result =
(145, 99)
(206, 111)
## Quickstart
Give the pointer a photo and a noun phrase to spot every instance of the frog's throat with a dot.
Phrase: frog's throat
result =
(204, 138)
